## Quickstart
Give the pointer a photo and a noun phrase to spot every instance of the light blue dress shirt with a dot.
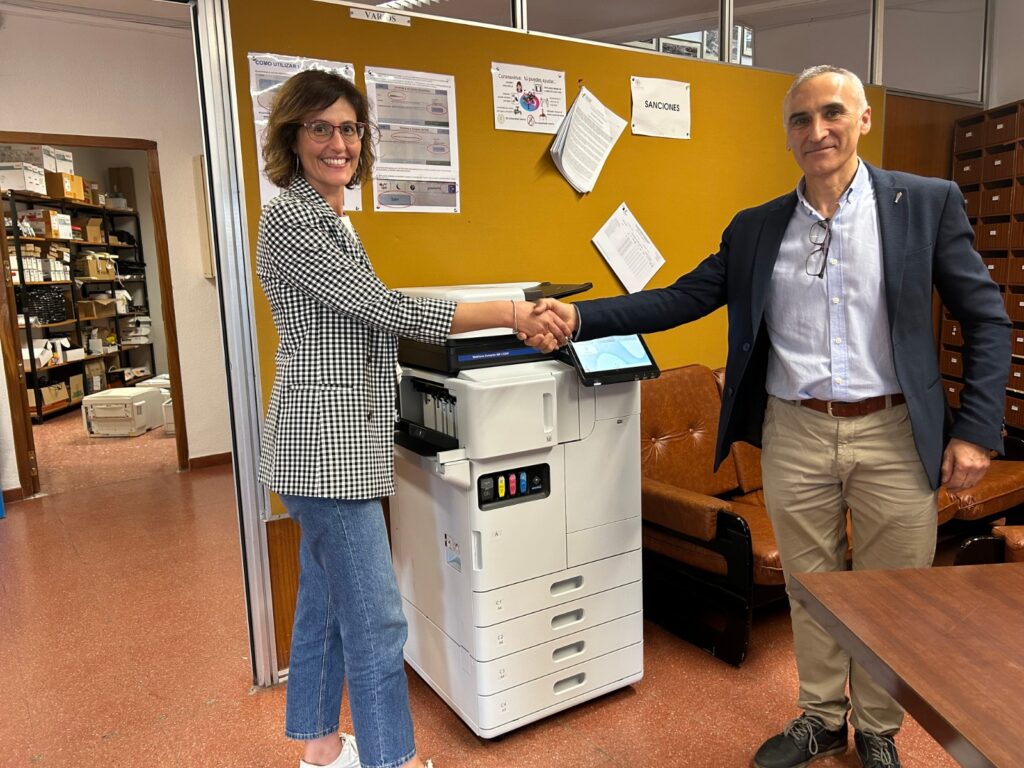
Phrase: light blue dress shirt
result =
(830, 336)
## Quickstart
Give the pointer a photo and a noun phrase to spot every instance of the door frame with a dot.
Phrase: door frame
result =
(24, 446)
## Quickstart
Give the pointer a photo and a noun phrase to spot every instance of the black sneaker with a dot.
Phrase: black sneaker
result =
(801, 742)
(876, 751)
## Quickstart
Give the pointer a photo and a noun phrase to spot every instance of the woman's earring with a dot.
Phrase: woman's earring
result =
(296, 165)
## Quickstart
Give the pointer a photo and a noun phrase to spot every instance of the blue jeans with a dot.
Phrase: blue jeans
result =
(348, 623)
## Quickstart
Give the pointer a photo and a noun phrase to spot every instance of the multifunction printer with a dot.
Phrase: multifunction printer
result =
(516, 520)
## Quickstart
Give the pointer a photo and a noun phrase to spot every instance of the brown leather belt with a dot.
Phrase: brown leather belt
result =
(860, 408)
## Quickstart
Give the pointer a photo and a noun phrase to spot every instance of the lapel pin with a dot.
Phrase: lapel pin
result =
(898, 196)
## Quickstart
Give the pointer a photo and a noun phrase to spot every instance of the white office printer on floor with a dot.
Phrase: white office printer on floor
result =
(516, 521)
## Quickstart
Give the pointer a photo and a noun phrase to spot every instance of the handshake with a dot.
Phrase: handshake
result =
(547, 325)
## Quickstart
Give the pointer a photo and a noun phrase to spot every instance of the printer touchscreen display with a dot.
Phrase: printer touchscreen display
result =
(613, 359)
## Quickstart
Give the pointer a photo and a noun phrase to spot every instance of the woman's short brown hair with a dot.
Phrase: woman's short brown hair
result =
(301, 96)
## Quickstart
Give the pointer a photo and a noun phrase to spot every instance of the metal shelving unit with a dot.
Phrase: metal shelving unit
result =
(131, 277)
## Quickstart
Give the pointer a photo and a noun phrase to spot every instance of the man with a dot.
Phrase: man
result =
(832, 369)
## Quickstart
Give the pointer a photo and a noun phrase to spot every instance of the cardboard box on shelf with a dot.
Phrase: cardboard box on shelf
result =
(54, 394)
(76, 387)
(123, 180)
(46, 222)
(65, 186)
(91, 226)
(75, 353)
(96, 266)
(65, 161)
(96, 308)
(37, 154)
(95, 375)
(23, 177)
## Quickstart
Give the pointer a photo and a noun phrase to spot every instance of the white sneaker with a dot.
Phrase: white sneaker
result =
(349, 757)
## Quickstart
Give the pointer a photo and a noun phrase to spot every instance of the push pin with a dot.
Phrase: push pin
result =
(898, 196)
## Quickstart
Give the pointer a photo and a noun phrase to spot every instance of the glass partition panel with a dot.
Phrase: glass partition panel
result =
(671, 26)
(793, 36)
(934, 47)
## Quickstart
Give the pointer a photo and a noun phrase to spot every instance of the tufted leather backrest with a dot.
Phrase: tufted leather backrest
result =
(678, 429)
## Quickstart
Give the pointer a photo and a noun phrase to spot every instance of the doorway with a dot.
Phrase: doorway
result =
(120, 314)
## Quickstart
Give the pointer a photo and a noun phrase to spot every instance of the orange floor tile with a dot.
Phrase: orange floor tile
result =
(123, 643)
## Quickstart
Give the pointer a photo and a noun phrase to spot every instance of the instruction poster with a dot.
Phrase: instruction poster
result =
(527, 99)
(417, 149)
(267, 71)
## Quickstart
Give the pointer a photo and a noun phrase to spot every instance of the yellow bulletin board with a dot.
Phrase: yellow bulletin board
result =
(519, 219)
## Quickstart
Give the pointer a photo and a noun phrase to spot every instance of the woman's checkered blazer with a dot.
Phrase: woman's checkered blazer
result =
(330, 424)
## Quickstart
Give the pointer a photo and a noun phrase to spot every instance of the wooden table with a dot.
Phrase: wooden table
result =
(946, 643)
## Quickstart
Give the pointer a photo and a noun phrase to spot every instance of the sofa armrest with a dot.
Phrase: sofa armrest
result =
(1013, 535)
(678, 509)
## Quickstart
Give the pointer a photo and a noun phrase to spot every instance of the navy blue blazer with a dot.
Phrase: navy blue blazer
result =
(926, 241)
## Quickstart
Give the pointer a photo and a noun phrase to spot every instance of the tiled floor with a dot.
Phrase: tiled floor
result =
(123, 644)
(70, 460)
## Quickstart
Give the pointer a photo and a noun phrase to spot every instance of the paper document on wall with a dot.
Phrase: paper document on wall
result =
(628, 250)
(267, 71)
(527, 98)
(660, 107)
(416, 141)
(584, 141)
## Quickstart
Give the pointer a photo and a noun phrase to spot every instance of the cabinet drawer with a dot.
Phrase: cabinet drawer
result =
(952, 390)
(1018, 192)
(997, 268)
(1016, 378)
(1001, 128)
(952, 363)
(1014, 412)
(968, 137)
(1015, 271)
(993, 236)
(1017, 234)
(1015, 306)
(1017, 342)
(951, 334)
(972, 203)
(1020, 163)
(967, 171)
(998, 165)
(997, 201)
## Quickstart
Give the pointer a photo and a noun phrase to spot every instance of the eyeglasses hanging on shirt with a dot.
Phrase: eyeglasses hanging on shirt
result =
(820, 236)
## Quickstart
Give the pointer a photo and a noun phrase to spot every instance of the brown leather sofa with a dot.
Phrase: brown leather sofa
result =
(709, 552)
(710, 556)
(1005, 544)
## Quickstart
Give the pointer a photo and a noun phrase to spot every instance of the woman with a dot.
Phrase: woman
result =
(327, 440)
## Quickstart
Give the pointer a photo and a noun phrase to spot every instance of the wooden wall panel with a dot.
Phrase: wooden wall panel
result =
(283, 550)
(919, 134)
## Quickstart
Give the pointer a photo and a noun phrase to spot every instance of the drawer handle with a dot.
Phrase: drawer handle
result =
(566, 585)
(568, 651)
(562, 686)
(565, 619)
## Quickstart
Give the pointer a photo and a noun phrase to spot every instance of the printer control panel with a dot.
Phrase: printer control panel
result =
(513, 486)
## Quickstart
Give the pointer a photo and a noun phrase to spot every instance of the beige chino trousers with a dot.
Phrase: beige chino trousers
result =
(814, 466)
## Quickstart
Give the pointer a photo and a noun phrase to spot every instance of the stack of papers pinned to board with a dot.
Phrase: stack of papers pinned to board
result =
(584, 140)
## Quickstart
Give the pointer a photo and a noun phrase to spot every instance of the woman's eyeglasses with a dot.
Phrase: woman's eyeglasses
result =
(321, 131)
(820, 237)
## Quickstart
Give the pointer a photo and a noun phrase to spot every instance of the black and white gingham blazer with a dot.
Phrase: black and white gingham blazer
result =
(329, 426)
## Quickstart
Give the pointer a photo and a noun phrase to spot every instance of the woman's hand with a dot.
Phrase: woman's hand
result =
(544, 329)
(559, 319)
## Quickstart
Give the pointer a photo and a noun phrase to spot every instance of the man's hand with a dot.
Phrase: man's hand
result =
(563, 315)
(963, 464)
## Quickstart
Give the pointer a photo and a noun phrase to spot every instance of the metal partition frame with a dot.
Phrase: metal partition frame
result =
(211, 29)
